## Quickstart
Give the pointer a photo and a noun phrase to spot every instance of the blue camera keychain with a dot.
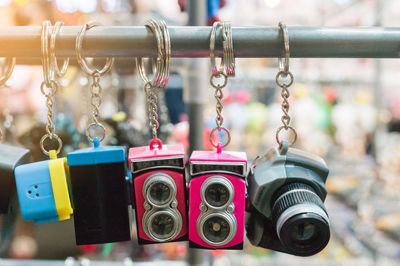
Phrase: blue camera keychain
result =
(98, 174)
(42, 186)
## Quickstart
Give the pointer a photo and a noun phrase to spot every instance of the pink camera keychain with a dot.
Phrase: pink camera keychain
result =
(158, 171)
(217, 187)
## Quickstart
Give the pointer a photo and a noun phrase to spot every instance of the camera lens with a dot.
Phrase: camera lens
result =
(302, 223)
(216, 229)
(162, 225)
(217, 194)
(159, 192)
(302, 232)
(159, 189)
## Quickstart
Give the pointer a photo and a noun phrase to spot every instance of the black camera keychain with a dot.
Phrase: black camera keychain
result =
(10, 156)
(286, 188)
(98, 173)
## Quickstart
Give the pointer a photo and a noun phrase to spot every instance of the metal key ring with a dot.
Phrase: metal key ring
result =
(214, 68)
(215, 145)
(167, 50)
(50, 136)
(53, 88)
(286, 129)
(284, 62)
(87, 67)
(161, 63)
(53, 59)
(228, 57)
(7, 69)
(95, 125)
(217, 75)
(48, 72)
(162, 75)
(282, 74)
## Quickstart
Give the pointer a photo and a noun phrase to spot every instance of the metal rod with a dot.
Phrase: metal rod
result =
(195, 98)
(193, 41)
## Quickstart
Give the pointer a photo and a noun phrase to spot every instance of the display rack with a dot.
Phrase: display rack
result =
(24, 43)
(193, 41)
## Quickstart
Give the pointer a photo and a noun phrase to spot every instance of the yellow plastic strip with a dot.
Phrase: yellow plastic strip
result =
(58, 168)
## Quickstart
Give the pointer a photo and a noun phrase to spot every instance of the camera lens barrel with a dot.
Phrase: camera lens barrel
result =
(301, 221)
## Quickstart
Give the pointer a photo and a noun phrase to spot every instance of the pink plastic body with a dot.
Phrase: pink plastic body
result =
(239, 185)
(139, 179)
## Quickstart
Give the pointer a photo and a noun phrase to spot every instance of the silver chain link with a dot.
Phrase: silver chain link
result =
(218, 94)
(284, 84)
(49, 94)
(152, 108)
(95, 98)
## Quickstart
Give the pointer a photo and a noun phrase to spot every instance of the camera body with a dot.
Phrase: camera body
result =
(286, 191)
(42, 190)
(100, 195)
(217, 192)
(10, 158)
(159, 186)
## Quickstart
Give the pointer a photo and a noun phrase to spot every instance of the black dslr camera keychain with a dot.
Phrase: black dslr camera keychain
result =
(286, 189)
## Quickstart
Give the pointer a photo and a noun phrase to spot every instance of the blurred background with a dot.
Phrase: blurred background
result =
(345, 110)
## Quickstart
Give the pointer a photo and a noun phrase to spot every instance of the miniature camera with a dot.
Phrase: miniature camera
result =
(42, 190)
(159, 185)
(217, 191)
(100, 194)
(286, 191)
(10, 158)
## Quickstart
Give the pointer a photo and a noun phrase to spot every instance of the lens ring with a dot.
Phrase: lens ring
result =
(227, 219)
(303, 241)
(155, 185)
(163, 216)
(224, 183)
(299, 209)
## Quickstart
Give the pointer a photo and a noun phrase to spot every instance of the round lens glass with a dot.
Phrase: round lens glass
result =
(217, 195)
(216, 229)
(162, 225)
(159, 193)
(303, 232)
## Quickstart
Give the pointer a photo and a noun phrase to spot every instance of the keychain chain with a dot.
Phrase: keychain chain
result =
(152, 108)
(95, 86)
(218, 94)
(95, 98)
(160, 74)
(227, 65)
(6, 71)
(283, 74)
(50, 127)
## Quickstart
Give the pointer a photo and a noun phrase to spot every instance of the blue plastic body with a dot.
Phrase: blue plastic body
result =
(96, 155)
(35, 192)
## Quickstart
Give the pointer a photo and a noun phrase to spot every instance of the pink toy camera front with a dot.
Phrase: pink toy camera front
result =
(159, 187)
(217, 192)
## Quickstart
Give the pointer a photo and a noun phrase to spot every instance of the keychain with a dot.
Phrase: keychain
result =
(98, 173)
(286, 188)
(42, 186)
(10, 156)
(217, 179)
(158, 170)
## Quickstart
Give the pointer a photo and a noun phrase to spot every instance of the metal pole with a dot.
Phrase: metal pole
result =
(377, 89)
(133, 41)
(195, 95)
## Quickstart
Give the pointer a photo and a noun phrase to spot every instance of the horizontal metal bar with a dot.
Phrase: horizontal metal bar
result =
(135, 41)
